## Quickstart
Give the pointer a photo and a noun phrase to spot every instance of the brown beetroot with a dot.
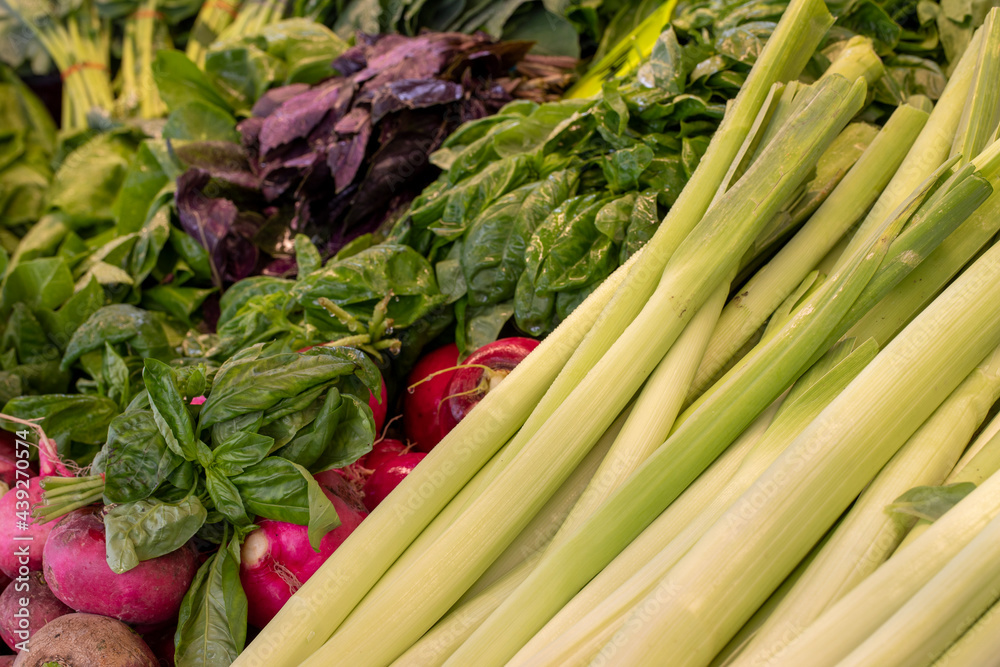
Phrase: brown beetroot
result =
(87, 640)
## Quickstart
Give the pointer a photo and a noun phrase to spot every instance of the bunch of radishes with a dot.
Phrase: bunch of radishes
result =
(57, 568)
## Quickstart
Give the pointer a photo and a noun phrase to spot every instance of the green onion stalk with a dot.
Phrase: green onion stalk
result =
(213, 18)
(79, 49)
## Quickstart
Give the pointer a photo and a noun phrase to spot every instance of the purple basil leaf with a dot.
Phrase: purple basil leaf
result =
(274, 98)
(296, 118)
(414, 94)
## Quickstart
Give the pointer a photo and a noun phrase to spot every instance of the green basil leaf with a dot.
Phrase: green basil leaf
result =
(137, 459)
(169, 409)
(274, 489)
(242, 450)
(212, 625)
(342, 432)
(67, 417)
(146, 529)
(250, 383)
(358, 282)
(322, 514)
(226, 497)
(284, 491)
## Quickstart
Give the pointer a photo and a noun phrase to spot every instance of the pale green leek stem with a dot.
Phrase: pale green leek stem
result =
(697, 265)
(742, 560)
(594, 625)
(846, 204)
(651, 541)
(930, 149)
(981, 114)
(985, 463)
(939, 612)
(868, 535)
(979, 646)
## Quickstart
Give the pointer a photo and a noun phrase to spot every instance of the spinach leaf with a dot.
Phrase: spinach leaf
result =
(196, 120)
(38, 283)
(180, 81)
(115, 324)
(473, 195)
(493, 253)
(67, 417)
(212, 625)
(145, 529)
(137, 458)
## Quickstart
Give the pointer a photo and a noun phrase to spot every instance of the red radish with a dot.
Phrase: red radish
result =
(379, 406)
(19, 555)
(7, 660)
(388, 476)
(77, 571)
(26, 605)
(468, 386)
(382, 451)
(421, 403)
(348, 489)
(86, 640)
(277, 558)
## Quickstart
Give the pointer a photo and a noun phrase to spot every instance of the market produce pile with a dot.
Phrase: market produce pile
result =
(313, 336)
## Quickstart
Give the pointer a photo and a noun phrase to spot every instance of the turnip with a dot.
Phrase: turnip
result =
(26, 606)
(87, 640)
(489, 365)
(277, 559)
(388, 476)
(18, 553)
(77, 571)
(425, 395)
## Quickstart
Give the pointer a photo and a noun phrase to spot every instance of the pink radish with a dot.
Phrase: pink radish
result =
(18, 553)
(8, 461)
(421, 402)
(77, 571)
(468, 386)
(388, 476)
(26, 605)
(277, 558)
(7, 660)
